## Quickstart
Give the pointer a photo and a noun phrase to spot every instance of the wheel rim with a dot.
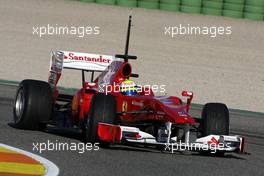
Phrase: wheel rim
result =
(19, 105)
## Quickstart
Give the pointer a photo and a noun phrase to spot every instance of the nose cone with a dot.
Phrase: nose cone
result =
(175, 111)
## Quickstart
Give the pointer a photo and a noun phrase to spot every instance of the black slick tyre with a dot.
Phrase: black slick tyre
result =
(103, 109)
(33, 105)
(215, 118)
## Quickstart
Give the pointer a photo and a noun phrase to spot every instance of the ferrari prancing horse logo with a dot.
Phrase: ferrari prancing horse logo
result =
(124, 106)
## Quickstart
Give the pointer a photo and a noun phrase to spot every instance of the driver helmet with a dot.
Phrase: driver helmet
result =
(128, 87)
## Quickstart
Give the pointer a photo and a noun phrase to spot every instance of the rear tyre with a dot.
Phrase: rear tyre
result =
(215, 119)
(103, 109)
(33, 105)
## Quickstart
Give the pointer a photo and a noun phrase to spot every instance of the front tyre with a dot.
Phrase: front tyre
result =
(215, 118)
(33, 105)
(215, 121)
(103, 109)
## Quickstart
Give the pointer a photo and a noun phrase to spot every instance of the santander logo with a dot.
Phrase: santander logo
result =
(87, 58)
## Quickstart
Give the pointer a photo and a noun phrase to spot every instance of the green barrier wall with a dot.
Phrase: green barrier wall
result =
(248, 9)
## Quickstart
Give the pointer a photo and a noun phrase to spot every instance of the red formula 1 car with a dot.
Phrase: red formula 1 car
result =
(108, 111)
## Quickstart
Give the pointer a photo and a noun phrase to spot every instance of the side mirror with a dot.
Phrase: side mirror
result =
(188, 94)
(89, 85)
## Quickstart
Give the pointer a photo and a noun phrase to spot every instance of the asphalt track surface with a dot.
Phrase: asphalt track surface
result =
(123, 160)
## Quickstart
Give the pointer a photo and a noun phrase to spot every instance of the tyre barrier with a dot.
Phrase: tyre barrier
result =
(191, 6)
(127, 3)
(170, 5)
(107, 2)
(248, 9)
(212, 7)
(148, 4)
(254, 10)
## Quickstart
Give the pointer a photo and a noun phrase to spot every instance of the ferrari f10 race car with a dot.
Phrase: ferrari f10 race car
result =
(109, 109)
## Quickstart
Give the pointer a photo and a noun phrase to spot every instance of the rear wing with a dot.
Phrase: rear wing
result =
(86, 61)
(77, 61)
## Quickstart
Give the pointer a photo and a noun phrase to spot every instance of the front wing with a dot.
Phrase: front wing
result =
(132, 135)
